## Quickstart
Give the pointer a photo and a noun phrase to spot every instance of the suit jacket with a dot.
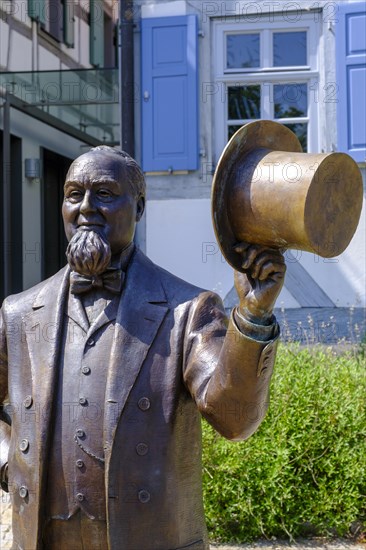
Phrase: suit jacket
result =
(174, 356)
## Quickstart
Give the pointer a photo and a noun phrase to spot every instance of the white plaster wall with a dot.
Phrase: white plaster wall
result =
(47, 60)
(180, 238)
(343, 278)
(22, 48)
(71, 52)
(45, 136)
(164, 9)
(20, 54)
(4, 43)
(19, 9)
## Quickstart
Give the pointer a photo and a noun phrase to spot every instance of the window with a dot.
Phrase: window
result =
(110, 43)
(266, 70)
(56, 17)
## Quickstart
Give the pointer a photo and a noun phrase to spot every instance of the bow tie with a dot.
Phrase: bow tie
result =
(112, 280)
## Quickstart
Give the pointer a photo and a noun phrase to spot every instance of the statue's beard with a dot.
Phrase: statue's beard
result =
(88, 253)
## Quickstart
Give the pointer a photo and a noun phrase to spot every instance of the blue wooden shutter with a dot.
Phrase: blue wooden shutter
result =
(37, 10)
(96, 33)
(169, 93)
(351, 79)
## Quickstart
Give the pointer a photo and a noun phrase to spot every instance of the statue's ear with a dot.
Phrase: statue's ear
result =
(140, 207)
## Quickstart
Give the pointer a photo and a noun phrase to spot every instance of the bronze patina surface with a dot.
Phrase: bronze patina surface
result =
(266, 191)
(105, 369)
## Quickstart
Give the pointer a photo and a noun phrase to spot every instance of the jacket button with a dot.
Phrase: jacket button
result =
(144, 403)
(23, 491)
(28, 402)
(80, 433)
(141, 449)
(80, 497)
(85, 370)
(144, 496)
(83, 400)
(24, 445)
(79, 463)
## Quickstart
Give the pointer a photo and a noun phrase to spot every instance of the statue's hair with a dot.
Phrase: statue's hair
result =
(134, 173)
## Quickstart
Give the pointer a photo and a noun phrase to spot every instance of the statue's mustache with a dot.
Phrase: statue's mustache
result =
(88, 252)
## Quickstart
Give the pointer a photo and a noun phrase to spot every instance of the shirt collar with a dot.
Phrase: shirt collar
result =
(121, 260)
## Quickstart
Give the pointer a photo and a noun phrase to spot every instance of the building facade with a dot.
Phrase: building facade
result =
(58, 90)
(201, 70)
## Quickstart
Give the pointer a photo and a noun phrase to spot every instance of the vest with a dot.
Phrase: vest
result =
(76, 458)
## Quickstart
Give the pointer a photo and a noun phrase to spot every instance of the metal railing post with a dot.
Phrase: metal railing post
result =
(126, 77)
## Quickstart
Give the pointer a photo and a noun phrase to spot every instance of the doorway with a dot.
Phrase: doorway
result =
(12, 251)
(54, 242)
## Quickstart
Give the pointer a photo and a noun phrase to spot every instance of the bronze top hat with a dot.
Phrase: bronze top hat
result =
(267, 191)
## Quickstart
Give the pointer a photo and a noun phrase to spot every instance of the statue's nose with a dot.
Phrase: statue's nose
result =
(87, 204)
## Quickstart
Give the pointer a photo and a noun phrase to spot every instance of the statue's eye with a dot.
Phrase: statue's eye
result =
(104, 193)
(75, 194)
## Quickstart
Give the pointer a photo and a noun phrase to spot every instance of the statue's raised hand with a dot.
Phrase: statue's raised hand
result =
(260, 285)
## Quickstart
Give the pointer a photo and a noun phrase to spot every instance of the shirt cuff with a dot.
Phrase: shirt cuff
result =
(261, 333)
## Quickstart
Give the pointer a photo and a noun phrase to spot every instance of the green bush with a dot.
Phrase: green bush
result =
(304, 471)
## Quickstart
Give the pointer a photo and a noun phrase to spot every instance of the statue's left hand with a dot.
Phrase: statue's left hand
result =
(260, 285)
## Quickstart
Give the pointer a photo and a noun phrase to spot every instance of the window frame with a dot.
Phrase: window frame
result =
(265, 74)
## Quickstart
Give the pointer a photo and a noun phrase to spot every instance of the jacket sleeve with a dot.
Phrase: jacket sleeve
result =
(4, 426)
(227, 371)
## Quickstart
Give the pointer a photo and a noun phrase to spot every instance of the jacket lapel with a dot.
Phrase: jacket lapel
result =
(42, 329)
(142, 308)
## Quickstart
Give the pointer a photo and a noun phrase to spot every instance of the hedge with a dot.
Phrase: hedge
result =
(304, 471)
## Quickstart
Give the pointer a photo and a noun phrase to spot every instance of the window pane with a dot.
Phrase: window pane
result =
(244, 102)
(289, 48)
(232, 130)
(242, 51)
(291, 100)
(301, 130)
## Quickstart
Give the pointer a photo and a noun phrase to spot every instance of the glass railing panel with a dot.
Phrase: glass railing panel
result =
(84, 99)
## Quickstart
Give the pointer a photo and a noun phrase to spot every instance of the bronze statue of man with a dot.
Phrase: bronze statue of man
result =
(106, 368)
